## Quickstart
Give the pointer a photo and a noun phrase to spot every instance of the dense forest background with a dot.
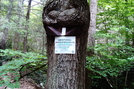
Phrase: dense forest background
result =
(110, 52)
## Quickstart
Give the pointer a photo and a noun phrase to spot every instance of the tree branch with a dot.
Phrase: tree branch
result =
(33, 71)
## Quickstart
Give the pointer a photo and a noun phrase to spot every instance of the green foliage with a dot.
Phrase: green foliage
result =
(112, 57)
(10, 72)
(13, 20)
(109, 65)
(114, 49)
(13, 24)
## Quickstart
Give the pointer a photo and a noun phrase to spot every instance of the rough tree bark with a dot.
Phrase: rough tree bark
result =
(66, 71)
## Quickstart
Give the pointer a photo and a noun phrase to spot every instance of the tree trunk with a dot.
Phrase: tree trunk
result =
(91, 38)
(26, 28)
(17, 38)
(2, 40)
(92, 27)
(8, 16)
(67, 71)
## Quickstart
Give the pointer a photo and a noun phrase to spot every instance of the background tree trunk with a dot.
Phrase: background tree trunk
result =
(17, 38)
(8, 17)
(67, 71)
(91, 38)
(26, 28)
(92, 27)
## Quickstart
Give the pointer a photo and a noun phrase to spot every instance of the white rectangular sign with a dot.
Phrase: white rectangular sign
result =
(65, 45)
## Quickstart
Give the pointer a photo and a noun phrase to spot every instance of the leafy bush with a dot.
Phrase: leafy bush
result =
(12, 71)
(112, 57)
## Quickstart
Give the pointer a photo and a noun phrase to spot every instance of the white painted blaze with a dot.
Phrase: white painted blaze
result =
(63, 31)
